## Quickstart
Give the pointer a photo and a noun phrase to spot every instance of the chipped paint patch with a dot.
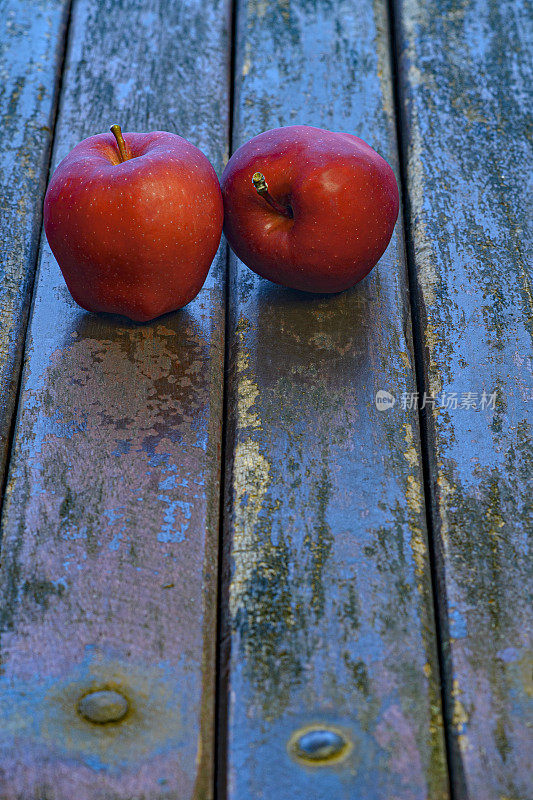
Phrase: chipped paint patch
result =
(411, 454)
(414, 494)
(247, 396)
(251, 479)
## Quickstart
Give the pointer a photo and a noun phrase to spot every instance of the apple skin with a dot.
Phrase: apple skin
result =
(134, 237)
(344, 199)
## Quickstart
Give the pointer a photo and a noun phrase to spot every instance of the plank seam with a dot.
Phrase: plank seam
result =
(223, 641)
(457, 783)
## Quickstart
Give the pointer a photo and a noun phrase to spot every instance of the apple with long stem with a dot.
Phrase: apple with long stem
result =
(134, 221)
(308, 208)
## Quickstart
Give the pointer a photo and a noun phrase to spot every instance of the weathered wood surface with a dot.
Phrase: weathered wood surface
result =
(329, 610)
(31, 51)
(465, 79)
(111, 516)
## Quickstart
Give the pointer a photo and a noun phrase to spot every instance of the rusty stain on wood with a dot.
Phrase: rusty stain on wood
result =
(464, 80)
(111, 515)
(329, 607)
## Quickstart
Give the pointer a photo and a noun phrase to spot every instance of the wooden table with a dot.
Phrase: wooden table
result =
(350, 620)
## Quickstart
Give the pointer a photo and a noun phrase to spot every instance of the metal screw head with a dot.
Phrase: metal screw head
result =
(102, 706)
(319, 745)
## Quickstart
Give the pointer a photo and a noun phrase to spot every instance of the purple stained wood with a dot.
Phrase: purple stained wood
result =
(31, 51)
(465, 86)
(328, 608)
(110, 525)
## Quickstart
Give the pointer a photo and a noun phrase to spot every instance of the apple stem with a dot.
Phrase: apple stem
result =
(117, 133)
(261, 187)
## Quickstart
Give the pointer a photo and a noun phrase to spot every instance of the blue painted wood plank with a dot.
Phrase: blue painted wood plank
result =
(465, 85)
(31, 51)
(329, 611)
(110, 527)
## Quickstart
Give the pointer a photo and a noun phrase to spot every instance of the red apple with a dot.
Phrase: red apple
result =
(134, 222)
(322, 211)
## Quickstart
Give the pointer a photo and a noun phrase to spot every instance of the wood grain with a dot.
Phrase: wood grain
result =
(329, 612)
(31, 51)
(465, 76)
(111, 516)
